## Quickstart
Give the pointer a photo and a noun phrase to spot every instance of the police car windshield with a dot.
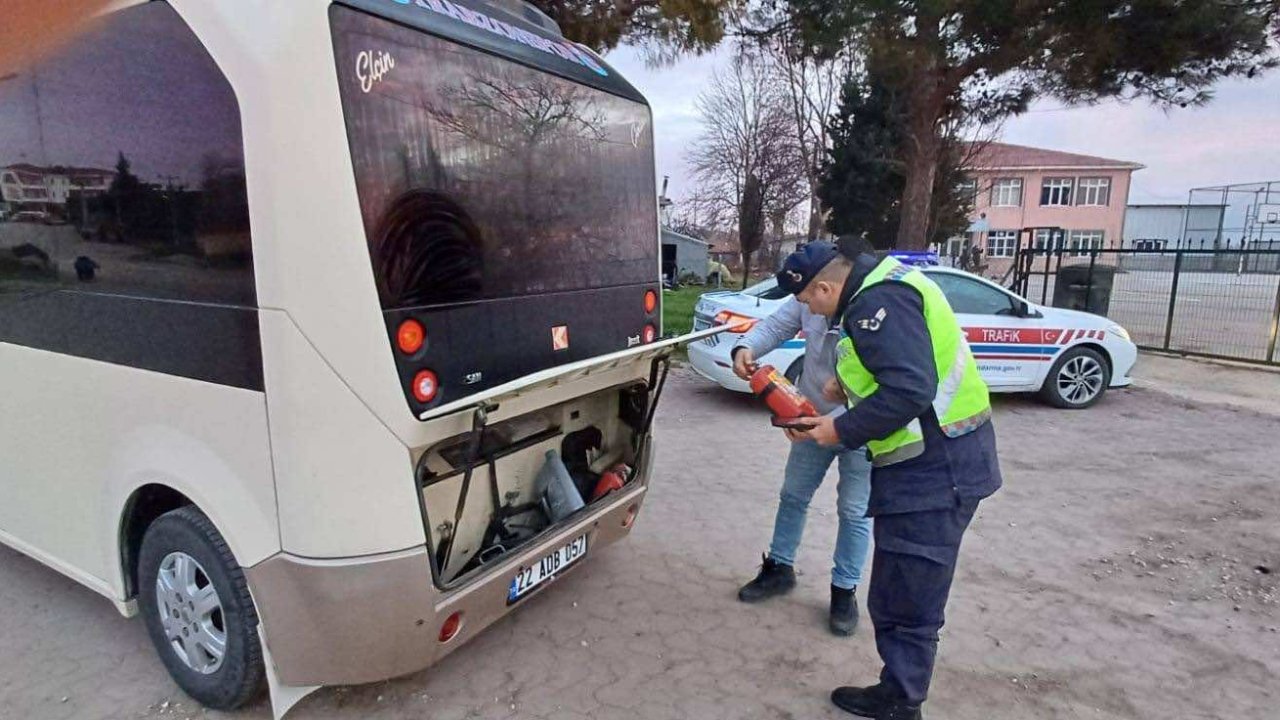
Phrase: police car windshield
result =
(480, 178)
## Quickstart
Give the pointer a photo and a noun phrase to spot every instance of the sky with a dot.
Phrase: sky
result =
(1234, 139)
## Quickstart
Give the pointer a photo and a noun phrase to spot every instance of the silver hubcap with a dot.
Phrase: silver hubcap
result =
(191, 613)
(1080, 380)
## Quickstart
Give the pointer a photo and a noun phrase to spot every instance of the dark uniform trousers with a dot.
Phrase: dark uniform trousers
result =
(914, 562)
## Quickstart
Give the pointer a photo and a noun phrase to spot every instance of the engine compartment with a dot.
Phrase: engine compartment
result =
(489, 492)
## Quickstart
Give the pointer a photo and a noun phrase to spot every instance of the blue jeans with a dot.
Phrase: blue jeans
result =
(806, 467)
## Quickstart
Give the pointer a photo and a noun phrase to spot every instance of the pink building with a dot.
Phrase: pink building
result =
(1031, 193)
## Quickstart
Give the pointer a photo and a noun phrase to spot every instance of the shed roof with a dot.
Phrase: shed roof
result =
(682, 236)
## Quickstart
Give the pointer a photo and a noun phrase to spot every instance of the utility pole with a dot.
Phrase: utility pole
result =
(170, 194)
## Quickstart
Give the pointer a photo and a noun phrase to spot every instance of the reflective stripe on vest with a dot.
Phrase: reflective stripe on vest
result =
(961, 403)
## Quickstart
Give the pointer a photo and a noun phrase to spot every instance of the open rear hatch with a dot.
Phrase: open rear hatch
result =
(495, 487)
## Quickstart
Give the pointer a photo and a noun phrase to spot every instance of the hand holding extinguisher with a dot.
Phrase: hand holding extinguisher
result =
(744, 362)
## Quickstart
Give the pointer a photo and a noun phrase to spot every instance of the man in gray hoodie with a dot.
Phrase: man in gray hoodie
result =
(808, 463)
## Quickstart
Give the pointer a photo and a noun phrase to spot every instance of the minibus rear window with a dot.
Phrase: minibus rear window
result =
(480, 178)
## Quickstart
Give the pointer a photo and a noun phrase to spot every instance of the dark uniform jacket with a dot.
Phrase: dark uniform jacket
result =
(899, 354)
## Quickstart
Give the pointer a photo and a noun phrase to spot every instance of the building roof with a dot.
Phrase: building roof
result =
(55, 169)
(1004, 156)
(682, 236)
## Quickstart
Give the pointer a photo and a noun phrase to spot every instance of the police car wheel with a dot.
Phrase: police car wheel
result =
(1077, 380)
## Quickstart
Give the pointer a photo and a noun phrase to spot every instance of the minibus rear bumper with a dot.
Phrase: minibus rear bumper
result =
(357, 620)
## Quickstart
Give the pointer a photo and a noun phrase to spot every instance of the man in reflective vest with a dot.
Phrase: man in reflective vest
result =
(917, 402)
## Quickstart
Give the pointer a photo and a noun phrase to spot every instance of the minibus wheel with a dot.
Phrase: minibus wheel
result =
(196, 605)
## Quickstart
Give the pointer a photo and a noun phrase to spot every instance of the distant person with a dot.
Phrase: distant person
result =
(86, 268)
(976, 266)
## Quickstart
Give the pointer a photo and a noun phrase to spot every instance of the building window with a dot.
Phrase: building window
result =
(1046, 240)
(1150, 244)
(1094, 191)
(968, 191)
(1082, 241)
(1006, 192)
(1001, 243)
(1056, 191)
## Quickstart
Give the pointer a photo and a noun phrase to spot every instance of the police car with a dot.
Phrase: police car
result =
(1070, 358)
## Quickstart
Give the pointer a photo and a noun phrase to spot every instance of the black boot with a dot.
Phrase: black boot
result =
(900, 711)
(868, 702)
(774, 579)
(844, 611)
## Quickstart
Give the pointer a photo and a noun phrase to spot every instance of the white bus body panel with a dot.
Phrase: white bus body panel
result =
(344, 483)
(71, 475)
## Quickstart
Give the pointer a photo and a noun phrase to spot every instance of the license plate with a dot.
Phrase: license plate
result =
(528, 578)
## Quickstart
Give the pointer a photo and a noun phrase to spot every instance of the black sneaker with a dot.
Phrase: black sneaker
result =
(844, 611)
(774, 579)
(868, 702)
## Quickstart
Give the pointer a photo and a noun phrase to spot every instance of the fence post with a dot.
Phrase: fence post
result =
(1173, 299)
(1044, 285)
(1275, 327)
(1088, 290)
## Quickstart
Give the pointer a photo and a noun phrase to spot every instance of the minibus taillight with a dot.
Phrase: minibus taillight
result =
(425, 386)
(451, 626)
(650, 302)
(650, 334)
(410, 336)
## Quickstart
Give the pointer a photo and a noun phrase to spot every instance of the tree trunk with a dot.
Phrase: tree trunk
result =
(746, 269)
(925, 98)
(815, 214)
(921, 161)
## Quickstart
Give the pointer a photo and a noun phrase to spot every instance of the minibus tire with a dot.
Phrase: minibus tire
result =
(239, 676)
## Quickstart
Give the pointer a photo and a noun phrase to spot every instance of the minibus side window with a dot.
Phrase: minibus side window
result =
(123, 178)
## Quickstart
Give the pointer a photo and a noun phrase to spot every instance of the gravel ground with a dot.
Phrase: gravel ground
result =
(1127, 570)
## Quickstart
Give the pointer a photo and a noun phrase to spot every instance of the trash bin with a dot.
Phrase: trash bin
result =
(1085, 288)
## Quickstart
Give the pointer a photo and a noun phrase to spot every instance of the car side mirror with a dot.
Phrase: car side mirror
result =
(1023, 309)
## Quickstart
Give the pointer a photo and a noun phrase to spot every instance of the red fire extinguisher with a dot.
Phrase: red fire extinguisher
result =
(612, 479)
(783, 399)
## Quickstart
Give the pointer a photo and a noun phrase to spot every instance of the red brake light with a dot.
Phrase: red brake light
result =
(450, 628)
(425, 386)
(650, 302)
(650, 334)
(410, 336)
(737, 323)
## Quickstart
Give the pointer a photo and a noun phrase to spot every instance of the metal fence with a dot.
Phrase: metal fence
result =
(1221, 302)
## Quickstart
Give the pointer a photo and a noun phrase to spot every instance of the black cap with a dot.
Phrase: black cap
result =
(801, 266)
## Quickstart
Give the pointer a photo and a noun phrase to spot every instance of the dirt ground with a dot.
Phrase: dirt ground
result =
(1127, 570)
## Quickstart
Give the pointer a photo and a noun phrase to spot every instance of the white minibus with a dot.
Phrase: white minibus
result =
(341, 336)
